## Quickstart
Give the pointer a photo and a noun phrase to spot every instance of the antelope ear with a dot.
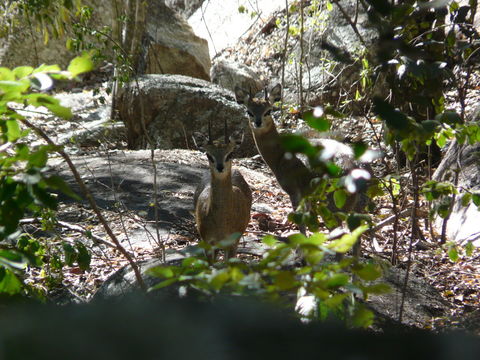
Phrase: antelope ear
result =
(200, 140)
(241, 95)
(275, 93)
(236, 138)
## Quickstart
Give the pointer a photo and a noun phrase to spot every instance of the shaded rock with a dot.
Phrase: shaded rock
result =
(226, 329)
(123, 282)
(330, 75)
(422, 301)
(229, 75)
(127, 178)
(462, 225)
(94, 133)
(175, 106)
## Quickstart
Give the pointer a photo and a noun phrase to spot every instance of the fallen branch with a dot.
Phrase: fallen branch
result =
(77, 228)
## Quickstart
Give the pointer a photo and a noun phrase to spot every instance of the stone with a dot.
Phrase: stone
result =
(229, 74)
(171, 46)
(462, 225)
(175, 106)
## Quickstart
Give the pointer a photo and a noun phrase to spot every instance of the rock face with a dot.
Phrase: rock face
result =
(230, 74)
(173, 107)
(184, 7)
(462, 226)
(327, 75)
(169, 44)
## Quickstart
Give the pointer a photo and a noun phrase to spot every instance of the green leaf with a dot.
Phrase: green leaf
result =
(395, 120)
(285, 280)
(60, 111)
(219, 278)
(9, 283)
(22, 71)
(297, 144)
(50, 103)
(80, 65)
(362, 317)
(164, 272)
(319, 123)
(340, 197)
(269, 240)
(369, 272)
(6, 74)
(359, 148)
(12, 259)
(47, 69)
(469, 247)
(297, 239)
(466, 198)
(453, 253)
(38, 158)
(337, 280)
(20, 86)
(13, 130)
(449, 117)
(55, 182)
(476, 199)
(335, 301)
(83, 258)
(69, 252)
(163, 284)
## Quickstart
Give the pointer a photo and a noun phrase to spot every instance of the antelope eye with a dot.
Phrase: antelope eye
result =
(249, 114)
(229, 157)
(210, 158)
(268, 112)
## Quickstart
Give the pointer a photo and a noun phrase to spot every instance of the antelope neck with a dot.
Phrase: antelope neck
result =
(268, 144)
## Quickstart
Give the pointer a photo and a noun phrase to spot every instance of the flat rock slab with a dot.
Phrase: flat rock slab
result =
(124, 180)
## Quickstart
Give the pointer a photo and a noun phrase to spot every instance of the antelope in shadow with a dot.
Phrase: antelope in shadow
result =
(223, 199)
(294, 177)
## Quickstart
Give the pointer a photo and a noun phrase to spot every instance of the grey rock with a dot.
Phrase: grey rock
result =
(462, 225)
(175, 106)
(325, 75)
(230, 74)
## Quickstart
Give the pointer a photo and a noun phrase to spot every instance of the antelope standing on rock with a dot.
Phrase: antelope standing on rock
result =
(223, 199)
(294, 177)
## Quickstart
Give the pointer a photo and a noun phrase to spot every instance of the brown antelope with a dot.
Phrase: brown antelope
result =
(223, 199)
(292, 174)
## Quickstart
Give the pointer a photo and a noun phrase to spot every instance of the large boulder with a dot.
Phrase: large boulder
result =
(231, 74)
(169, 44)
(173, 107)
(462, 225)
